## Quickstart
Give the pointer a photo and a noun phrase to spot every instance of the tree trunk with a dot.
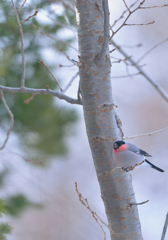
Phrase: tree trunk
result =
(100, 118)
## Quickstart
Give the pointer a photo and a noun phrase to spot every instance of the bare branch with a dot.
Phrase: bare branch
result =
(165, 5)
(126, 76)
(49, 36)
(126, 6)
(165, 228)
(143, 56)
(121, 60)
(22, 44)
(94, 214)
(131, 204)
(27, 19)
(131, 168)
(11, 117)
(42, 91)
(106, 29)
(51, 74)
(132, 46)
(147, 134)
(21, 6)
(71, 60)
(122, 15)
(60, 65)
(29, 99)
(70, 82)
(67, 5)
(35, 162)
(156, 85)
(129, 14)
(139, 24)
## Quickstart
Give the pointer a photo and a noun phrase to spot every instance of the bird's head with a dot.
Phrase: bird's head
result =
(118, 144)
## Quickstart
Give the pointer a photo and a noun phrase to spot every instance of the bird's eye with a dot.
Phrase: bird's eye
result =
(115, 146)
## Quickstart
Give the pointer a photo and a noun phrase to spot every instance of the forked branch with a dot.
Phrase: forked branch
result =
(84, 201)
(156, 85)
(51, 74)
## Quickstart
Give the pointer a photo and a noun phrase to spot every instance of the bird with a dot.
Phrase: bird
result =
(128, 156)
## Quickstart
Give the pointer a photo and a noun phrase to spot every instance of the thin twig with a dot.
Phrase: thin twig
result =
(42, 91)
(165, 228)
(35, 162)
(156, 85)
(122, 15)
(27, 19)
(144, 55)
(126, 6)
(70, 82)
(22, 44)
(131, 168)
(60, 65)
(146, 134)
(121, 60)
(139, 24)
(51, 74)
(84, 201)
(165, 5)
(29, 99)
(132, 46)
(11, 117)
(69, 59)
(21, 6)
(106, 29)
(131, 204)
(126, 76)
(126, 19)
(49, 36)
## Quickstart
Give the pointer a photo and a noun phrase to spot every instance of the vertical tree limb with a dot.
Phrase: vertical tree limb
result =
(22, 43)
(11, 117)
(165, 228)
(106, 29)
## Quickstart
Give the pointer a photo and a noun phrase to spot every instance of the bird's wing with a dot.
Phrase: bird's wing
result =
(142, 152)
(133, 148)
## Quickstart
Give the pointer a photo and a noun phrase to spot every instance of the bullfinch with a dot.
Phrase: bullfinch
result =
(129, 156)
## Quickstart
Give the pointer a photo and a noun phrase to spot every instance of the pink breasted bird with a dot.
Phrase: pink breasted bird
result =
(128, 155)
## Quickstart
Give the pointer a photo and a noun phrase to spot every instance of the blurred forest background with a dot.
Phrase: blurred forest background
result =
(48, 149)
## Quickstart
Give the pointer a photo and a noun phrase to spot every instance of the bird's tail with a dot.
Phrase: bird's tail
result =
(153, 166)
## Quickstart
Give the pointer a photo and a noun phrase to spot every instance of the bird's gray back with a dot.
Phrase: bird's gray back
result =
(133, 148)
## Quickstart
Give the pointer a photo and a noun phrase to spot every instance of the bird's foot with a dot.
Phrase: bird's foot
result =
(127, 169)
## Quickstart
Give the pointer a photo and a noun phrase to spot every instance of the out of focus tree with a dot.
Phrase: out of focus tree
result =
(42, 125)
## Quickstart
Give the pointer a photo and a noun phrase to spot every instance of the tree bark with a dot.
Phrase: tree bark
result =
(101, 120)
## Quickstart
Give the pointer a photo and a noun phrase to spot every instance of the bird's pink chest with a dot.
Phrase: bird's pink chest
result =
(120, 149)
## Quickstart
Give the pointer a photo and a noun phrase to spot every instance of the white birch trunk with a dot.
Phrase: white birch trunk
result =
(95, 85)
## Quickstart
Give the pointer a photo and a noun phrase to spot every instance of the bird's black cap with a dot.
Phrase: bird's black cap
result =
(117, 144)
